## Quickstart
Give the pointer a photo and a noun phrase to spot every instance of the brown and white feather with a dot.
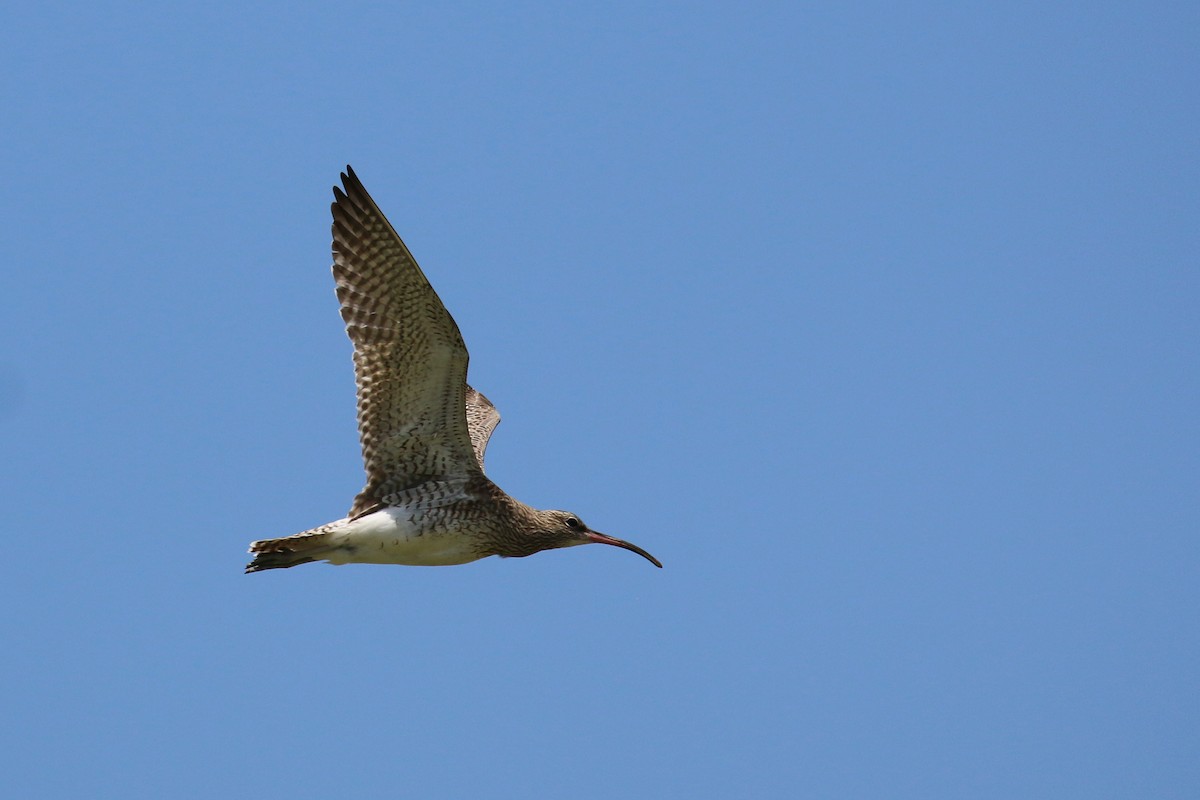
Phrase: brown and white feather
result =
(482, 419)
(410, 362)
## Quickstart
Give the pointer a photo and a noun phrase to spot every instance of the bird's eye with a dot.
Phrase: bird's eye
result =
(573, 523)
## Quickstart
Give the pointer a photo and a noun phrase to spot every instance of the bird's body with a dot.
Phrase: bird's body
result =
(424, 431)
(420, 533)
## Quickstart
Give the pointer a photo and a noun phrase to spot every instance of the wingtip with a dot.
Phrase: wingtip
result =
(350, 180)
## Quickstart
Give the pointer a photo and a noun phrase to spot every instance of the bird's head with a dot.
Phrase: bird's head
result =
(564, 529)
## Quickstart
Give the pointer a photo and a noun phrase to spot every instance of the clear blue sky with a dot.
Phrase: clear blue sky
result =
(880, 326)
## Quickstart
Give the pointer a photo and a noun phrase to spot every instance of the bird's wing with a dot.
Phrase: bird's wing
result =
(410, 362)
(482, 419)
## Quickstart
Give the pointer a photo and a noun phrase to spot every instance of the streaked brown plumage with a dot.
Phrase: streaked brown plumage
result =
(423, 429)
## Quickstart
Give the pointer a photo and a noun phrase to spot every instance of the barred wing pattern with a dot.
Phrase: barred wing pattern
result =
(410, 363)
(482, 419)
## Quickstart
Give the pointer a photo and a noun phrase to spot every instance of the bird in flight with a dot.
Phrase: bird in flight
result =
(423, 430)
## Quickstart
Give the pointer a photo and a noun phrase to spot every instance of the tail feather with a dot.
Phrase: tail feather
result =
(288, 551)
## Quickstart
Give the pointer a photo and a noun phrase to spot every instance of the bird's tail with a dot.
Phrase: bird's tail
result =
(289, 551)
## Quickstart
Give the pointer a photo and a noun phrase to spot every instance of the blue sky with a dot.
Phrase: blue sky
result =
(877, 324)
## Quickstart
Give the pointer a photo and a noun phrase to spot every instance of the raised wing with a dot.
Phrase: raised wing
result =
(482, 419)
(410, 362)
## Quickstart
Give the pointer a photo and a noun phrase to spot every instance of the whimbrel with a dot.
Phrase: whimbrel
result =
(427, 501)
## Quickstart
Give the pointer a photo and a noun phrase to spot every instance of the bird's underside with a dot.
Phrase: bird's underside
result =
(423, 430)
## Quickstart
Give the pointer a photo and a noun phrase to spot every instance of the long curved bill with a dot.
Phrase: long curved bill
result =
(601, 538)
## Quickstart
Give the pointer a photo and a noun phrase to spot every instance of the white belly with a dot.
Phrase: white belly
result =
(388, 536)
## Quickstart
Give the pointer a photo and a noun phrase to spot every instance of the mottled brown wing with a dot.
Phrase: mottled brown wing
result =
(482, 419)
(409, 358)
